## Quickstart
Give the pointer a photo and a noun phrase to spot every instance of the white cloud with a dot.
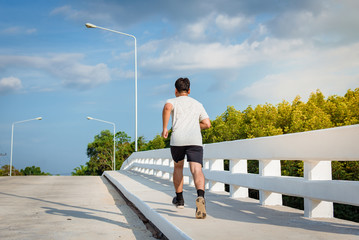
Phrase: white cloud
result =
(180, 55)
(9, 84)
(11, 30)
(333, 22)
(232, 24)
(16, 30)
(82, 76)
(31, 30)
(67, 11)
(65, 67)
(81, 15)
(332, 71)
(196, 31)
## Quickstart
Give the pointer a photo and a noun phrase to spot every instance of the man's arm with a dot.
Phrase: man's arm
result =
(205, 123)
(166, 114)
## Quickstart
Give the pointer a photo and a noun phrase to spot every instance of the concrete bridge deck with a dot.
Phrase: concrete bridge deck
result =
(47, 207)
(57, 207)
(227, 218)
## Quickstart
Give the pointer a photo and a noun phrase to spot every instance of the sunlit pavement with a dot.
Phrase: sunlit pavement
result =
(65, 207)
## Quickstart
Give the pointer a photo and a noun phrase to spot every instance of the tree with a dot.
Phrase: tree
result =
(261, 121)
(157, 143)
(227, 127)
(309, 116)
(284, 116)
(33, 171)
(100, 152)
(80, 171)
(5, 171)
(352, 101)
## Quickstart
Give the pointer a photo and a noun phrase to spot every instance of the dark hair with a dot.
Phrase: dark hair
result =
(182, 85)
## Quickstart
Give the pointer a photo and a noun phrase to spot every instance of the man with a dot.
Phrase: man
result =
(188, 118)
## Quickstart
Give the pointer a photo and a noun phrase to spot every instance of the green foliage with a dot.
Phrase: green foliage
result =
(285, 117)
(157, 143)
(80, 171)
(227, 127)
(261, 121)
(32, 171)
(5, 171)
(345, 170)
(292, 168)
(253, 166)
(346, 212)
(100, 152)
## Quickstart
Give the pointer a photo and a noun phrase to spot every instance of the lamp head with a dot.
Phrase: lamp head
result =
(90, 25)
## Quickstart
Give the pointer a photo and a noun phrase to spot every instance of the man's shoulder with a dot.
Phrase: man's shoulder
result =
(171, 100)
(184, 100)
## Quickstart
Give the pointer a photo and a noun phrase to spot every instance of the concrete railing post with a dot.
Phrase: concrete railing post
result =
(238, 166)
(151, 172)
(314, 208)
(141, 160)
(206, 167)
(158, 163)
(172, 167)
(269, 168)
(216, 165)
(166, 162)
(146, 161)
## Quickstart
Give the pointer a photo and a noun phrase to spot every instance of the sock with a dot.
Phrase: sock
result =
(179, 195)
(200, 193)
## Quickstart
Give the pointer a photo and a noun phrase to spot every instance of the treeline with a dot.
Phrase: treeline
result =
(27, 171)
(285, 117)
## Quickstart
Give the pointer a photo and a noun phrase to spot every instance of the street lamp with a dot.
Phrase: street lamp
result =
(12, 137)
(89, 25)
(114, 137)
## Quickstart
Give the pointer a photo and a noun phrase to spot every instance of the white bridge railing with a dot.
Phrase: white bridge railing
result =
(316, 148)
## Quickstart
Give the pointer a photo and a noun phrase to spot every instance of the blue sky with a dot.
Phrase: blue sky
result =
(235, 52)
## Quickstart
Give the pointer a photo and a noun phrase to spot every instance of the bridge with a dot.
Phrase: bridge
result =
(145, 181)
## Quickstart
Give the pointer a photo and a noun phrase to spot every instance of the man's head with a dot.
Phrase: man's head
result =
(182, 85)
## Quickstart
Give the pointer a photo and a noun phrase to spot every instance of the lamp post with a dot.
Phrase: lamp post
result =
(12, 137)
(114, 139)
(89, 25)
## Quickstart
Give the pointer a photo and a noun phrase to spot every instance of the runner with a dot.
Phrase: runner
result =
(188, 118)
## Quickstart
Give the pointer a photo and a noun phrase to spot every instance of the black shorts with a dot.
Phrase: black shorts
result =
(193, 153)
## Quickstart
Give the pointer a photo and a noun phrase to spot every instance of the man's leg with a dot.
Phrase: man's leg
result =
(178, 176)
(178, 184)
(198, 177)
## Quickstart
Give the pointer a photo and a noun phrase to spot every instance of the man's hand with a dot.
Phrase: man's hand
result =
(205, 124)
(165, 133)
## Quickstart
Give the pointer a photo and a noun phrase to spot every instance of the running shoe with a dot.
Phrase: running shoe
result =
(178, 203)
(201, 208)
